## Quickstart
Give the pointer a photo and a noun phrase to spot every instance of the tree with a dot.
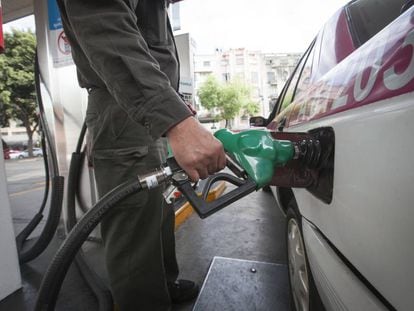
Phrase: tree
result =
(17, 87)
(228, 99)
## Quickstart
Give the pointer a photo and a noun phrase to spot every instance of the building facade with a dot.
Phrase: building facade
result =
(265, 73)
(186, 47)
(276, 69)
(16, 135)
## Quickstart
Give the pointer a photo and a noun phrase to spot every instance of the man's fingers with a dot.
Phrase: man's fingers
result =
(193, 175)
(203, 172)
(212, 169)
(218, 164)
(196, 150)
(222, 161)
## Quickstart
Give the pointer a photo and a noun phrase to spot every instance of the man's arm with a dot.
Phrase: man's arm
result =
(107, 33)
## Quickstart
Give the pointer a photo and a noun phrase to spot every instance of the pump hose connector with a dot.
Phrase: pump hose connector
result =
(308, 152)
(155, 178)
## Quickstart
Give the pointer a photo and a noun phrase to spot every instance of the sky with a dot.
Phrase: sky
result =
(266, 25)
(22, 24)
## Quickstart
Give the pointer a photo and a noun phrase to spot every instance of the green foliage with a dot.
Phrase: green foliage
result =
(229, 99)
(251, 108)
(210, 93)
(17, 90)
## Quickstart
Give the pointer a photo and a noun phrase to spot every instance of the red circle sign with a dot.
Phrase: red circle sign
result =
(63, 44)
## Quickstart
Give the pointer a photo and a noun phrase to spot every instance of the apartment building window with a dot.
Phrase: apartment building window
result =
(225, 62)
(255, 77)
(271, 77)
(226, 76)
(239, 61)
(206, 63)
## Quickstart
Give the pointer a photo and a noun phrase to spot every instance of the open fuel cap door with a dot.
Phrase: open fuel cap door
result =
(315, 170)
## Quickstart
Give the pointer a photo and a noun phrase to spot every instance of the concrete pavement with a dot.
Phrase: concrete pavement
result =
(250, 229)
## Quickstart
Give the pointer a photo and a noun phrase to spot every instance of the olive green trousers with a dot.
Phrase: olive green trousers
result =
(138, 233)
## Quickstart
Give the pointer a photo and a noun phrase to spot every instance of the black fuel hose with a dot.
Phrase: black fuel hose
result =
(57, 186)
(97, 286)
(56, 272)
(24, 234)
(79, 197)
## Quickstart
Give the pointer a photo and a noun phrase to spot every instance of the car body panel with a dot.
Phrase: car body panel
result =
(371, 217)
(339, 287)
(368, 100)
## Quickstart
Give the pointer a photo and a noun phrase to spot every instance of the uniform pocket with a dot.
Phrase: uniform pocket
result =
(115, 166)
(131, 152)
(125, 132)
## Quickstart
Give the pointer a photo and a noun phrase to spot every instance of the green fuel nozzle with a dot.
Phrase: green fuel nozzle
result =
(257, 152)
(253, 157)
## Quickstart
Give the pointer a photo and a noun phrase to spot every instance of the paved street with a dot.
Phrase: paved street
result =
(250, 229)
(25, 184)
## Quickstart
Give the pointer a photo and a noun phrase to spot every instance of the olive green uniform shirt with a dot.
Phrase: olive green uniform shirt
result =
(127, 46)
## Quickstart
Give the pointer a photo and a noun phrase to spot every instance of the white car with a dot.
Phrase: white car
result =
(37, 152)
(16, 154)
(350, 236)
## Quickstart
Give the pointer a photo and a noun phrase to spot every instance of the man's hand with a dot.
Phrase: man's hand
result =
(195, 149)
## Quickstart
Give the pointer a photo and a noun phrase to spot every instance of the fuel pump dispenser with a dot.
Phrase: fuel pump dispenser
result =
(253, 157)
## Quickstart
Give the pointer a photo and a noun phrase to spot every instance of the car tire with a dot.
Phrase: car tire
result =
(303, 293)
(20, 157)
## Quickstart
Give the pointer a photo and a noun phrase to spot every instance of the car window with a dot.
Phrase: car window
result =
(368, 17)
(291, 89)
(324, 56)
(307, 76)
(287, 94)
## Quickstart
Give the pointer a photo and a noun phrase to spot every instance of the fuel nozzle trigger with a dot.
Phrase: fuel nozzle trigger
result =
(244, 186)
